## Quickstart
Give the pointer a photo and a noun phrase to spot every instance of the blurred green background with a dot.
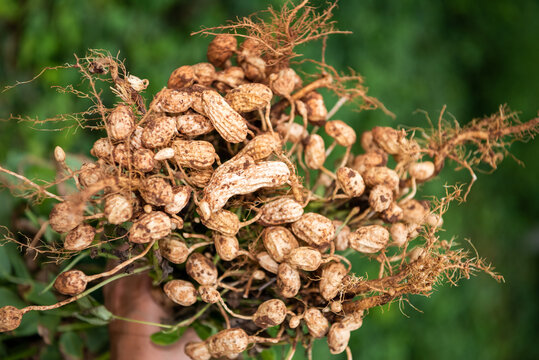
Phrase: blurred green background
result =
(470, 55)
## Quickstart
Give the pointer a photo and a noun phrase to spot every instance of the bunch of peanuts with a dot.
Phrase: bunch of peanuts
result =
(209, 177)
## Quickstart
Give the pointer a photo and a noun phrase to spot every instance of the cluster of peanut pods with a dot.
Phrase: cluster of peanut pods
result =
(210, 175)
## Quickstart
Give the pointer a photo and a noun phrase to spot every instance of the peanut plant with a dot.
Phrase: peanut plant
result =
(220, 186)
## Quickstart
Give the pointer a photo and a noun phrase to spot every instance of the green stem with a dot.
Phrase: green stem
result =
(76, 326)
(116, 317)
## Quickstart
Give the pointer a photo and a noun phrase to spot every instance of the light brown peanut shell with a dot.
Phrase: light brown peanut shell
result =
(223, 221)
(238, 177)
(279, 241)
(380, 198)
(143, 160)
(172, 101)
(226, 246)
(121, 122)
(315, 229)
(229, 124)
(65, 216)
(331, 280)
(338, 338)
(79, 238)
(221, 48)
(421, 170)
(261, 146)
(148, 227)
(90, 173)
(102, 148)
(305, 258)
(157, 191)
(194, 154)
(371, 159)
(181, 292)
(181, 77)
(201, 269)
(369, 239)
(181, 196)
(281, 211)
(118, 209)
(341, 240)
(266, 262)
(72, 282)
(315, 152)
(343, 134)
(288, 280)
(381, 176)
(192, 125)
(174, 250)
(197, 350)
(270, 313)
(10, 318)
(228, 342)
(350, 181)
(158, 132)
(316, 109)
(249, 97)
(316, 322)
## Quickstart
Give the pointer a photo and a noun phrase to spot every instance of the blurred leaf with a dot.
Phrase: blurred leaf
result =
(22, 354)
(91, 320)
(71, 345)
(19, 267)
(270, 354)
(36, 296)
(165, 338)
(5, 264)
(96, 339)
(203, 331)
(51, 352)
(102, 313)
(50, 323)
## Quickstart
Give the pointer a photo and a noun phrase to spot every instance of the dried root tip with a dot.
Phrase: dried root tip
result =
(59, 155)
(72, 282)
(10, 318)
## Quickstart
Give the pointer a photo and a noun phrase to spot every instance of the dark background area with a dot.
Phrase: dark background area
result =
(415, 55)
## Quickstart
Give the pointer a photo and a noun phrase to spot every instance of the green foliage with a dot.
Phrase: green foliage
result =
(165, 338)
(470, 55)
